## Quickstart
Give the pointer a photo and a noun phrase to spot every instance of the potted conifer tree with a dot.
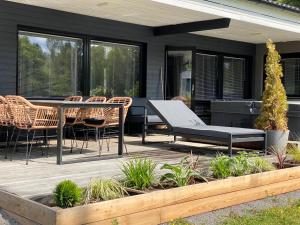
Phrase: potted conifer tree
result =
(273, 113)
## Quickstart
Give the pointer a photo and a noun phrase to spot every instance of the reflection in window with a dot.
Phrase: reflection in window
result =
(233, 78)
(179, 74)
(115, 69)
(291, 78)
(48, 65)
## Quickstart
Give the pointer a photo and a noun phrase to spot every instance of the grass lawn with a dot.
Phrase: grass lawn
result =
(280, 215)
(285, 215)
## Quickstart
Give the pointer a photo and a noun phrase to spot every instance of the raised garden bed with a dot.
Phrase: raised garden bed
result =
(159, 206)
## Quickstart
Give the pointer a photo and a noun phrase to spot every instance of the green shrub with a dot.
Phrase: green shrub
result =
(182, 174)
(294, 152)
(224, 166)
(67, 194)
(139, 173)
(241, 164)
(261, 165)
(221, 166)
(103, 190)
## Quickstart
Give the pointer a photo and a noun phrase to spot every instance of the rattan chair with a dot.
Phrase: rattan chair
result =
(6, 121)
(30, 118)
(70, 116)
(89, 114)
(107, 119)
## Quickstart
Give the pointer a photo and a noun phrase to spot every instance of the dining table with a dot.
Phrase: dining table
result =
(61, 105)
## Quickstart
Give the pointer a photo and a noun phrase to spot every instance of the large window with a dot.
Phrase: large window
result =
(49, 65)
(206, 76)
(115, 69)
(53, 63)
(221, 76)
(291, 78)
(234, 75)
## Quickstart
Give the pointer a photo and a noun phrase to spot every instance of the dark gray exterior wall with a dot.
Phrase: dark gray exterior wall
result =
(282, 47)
(13, 14)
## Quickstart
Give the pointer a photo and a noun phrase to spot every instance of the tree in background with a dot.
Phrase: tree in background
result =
(32, 70)
(290, 2)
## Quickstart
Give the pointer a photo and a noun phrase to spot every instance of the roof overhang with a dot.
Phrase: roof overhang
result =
(251, 21)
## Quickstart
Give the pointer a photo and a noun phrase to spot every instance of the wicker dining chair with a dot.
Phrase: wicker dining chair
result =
(30, 118)
(70, 116)
(6, 121)
(88, 113)
(106, 119)
(92, 115)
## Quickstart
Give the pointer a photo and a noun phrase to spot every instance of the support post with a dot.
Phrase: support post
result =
(60, 135)
(121, 130)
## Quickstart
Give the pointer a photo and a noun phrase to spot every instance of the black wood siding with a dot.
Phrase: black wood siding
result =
(13, 14)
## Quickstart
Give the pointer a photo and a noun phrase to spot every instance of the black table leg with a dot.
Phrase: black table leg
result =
(121, 131)
(60, 135)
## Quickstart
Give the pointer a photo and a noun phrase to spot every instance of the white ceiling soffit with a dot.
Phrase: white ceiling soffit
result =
(251, 22)
(142, 12)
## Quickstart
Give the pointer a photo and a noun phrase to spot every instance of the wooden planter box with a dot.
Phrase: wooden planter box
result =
(160, 206)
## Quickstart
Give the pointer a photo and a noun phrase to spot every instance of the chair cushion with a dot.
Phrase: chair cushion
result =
(94, 121)
(70, 120)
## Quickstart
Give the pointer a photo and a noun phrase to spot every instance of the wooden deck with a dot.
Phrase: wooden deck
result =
(42, 173)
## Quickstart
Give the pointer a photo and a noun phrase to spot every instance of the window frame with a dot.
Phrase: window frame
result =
(287, 56)
(283, 56)
(86, 57)
(220, 72)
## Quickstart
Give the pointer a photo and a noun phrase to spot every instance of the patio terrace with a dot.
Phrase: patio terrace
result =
(42, 173)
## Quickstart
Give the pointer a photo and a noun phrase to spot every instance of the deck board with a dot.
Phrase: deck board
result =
(42, 173)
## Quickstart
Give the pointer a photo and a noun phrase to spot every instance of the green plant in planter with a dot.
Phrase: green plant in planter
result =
(280, 156)
(224, 166)
(221, 166)
(67, 194)
(273, 115)
(261, 165)
(182, 174)
(294, 152)
(103, 190)
(139, 173)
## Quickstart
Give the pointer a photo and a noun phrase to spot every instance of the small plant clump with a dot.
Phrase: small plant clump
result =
(139, 173)
(294, 152)
(180, 222)
(261, 165)
(103, 190)
(224, 166)
(280, 156)
(67, 194)
(182, 174)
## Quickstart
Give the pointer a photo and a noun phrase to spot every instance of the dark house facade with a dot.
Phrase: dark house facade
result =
(50, 52)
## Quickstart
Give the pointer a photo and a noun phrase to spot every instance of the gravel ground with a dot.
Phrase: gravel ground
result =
(5, 220)
(217, 216)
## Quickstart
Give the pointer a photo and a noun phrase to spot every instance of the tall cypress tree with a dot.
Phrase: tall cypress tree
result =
(273, 115)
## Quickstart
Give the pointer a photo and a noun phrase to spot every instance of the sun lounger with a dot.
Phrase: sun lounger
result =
(182, 121)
